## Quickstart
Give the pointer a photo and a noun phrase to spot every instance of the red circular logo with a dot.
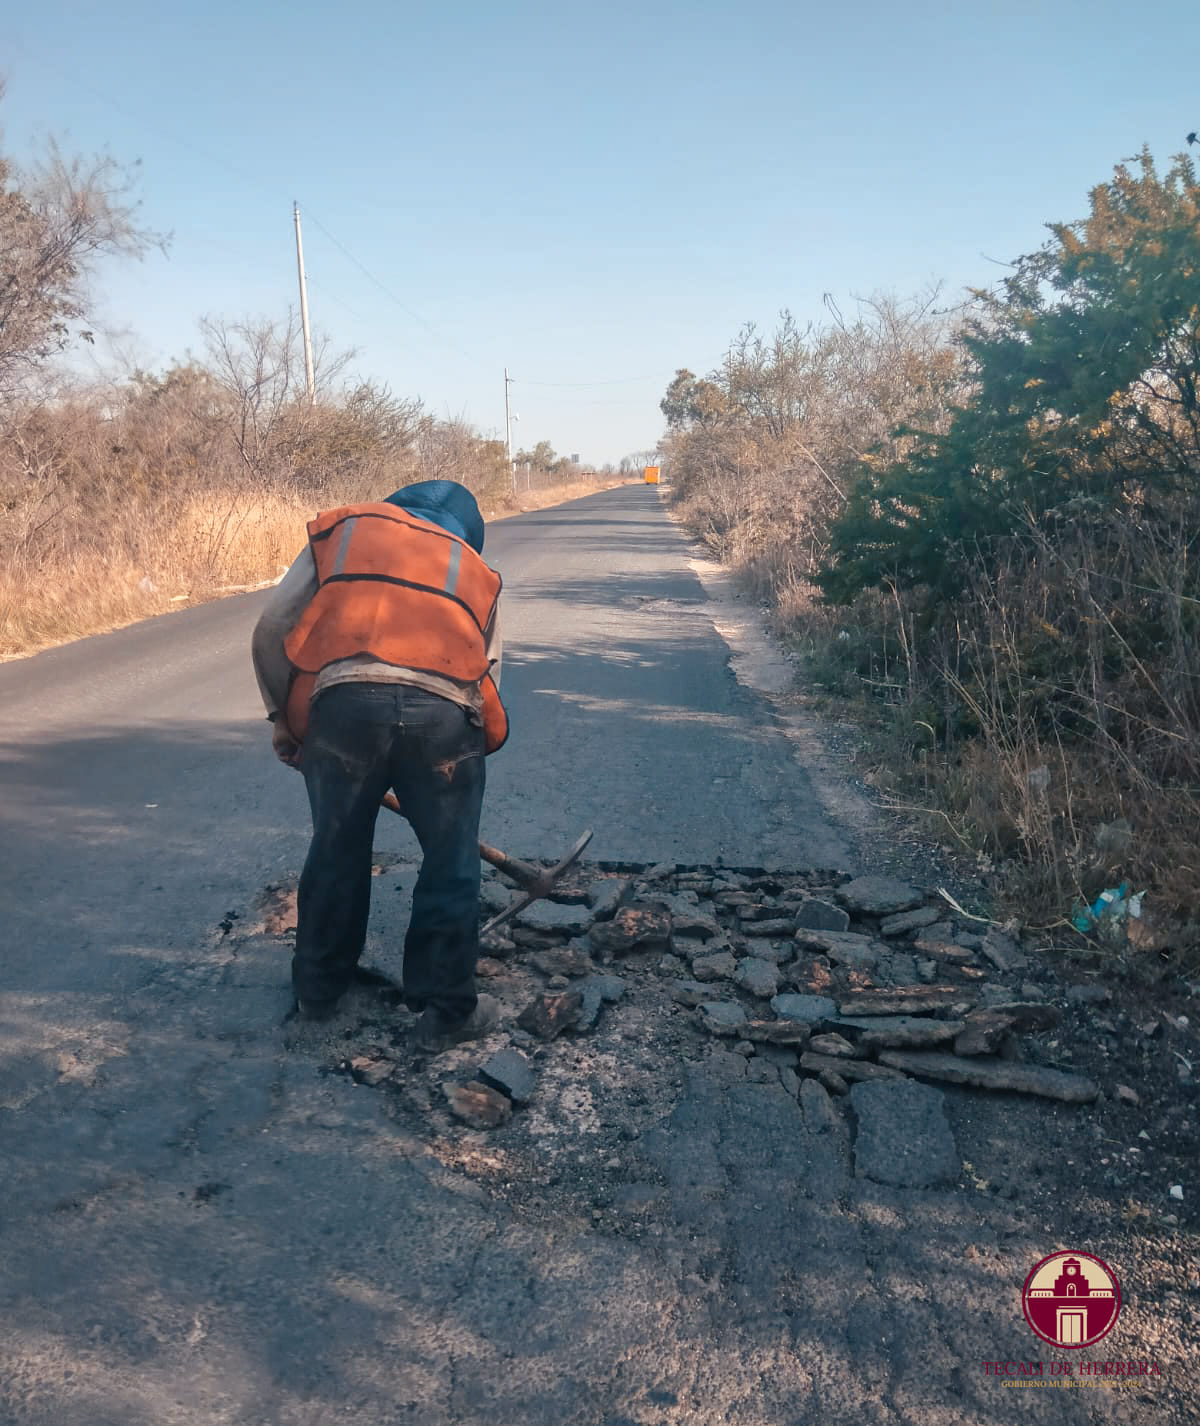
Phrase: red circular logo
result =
(1071, 1300)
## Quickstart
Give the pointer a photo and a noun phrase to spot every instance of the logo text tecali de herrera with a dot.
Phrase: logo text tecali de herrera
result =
(1071, 1300)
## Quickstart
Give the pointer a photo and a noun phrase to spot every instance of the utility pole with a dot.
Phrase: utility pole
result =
(508, 428)
(310, 382)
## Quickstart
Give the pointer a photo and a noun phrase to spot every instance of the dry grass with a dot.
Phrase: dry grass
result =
(145, 564)
(542, 499)
(1015, 734)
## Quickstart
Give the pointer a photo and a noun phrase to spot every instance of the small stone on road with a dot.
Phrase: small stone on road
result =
(511, 1073)
(549, 1015)
(478, 1104)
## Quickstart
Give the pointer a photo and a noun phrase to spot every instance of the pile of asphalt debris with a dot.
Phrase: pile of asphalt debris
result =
(819, 974)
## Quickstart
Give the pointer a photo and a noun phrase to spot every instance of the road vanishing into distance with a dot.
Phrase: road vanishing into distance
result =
(202, 1225)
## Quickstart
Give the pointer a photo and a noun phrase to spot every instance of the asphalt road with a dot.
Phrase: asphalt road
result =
(199, 1227)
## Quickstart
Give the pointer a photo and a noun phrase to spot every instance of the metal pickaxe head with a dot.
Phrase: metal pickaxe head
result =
(535, 881)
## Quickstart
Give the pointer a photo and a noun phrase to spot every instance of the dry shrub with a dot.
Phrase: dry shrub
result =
(144, 562)
(759, 452)
(1049, 720)
(121, 502)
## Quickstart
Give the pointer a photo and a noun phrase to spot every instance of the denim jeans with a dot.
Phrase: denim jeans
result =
(364, 738)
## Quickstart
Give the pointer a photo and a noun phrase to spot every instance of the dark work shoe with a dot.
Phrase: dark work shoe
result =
(434, 1033)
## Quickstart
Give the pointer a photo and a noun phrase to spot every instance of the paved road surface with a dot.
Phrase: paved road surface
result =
(199, 1227)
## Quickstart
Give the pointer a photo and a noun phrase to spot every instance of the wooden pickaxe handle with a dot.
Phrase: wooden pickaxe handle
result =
(532, 879)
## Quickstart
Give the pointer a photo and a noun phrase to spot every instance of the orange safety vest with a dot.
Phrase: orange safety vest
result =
(402, 591)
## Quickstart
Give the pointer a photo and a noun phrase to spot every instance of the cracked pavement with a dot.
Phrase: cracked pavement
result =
(202, 1225)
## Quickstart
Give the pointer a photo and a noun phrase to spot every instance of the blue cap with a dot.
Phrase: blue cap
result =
(444, 503)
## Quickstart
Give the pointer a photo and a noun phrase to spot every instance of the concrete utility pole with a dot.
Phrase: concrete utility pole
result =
(508, 427)
(310, 381)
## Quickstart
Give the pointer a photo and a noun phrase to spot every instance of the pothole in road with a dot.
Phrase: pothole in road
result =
(633, 971)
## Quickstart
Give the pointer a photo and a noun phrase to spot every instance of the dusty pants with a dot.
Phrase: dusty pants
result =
(364, 738)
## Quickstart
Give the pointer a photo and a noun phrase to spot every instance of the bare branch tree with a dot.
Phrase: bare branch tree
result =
(260, 364)
(58, 221)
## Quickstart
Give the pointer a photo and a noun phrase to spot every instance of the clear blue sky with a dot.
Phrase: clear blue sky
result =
(590, 195)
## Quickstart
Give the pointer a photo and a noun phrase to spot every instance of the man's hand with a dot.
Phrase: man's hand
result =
(287, 749)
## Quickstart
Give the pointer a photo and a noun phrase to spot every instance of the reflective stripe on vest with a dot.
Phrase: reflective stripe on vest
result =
(398, 590)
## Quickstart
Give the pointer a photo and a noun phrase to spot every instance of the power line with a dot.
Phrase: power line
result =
(143, 121)
(333, 297)
(387, 291)
(621, 381)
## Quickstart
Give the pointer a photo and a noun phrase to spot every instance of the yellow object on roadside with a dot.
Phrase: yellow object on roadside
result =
(652, 475)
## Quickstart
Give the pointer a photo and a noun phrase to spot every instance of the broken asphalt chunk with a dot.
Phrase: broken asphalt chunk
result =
(820, 1116)
(549, 1015)
(878, 896)
(687, 919)
(690, 992)
(778, 1032)
(815, 915)
(722, 1017)
(983, 1032)
(808, 1009)
(715, 967)
(605, 897)
(553, 918)
(993, 1074)
(760, 978)
(478, 1104)
(777, 952)
(833, 1044)
(759, 911)
(776, 926)
(596, 990)
(906, 999)
(569, 960)
(511, 1073)
(907, 921)
(844, 948)
(1002, 951)
(899, 1031)
(847, 1068)
(942, 950)
(643, 926)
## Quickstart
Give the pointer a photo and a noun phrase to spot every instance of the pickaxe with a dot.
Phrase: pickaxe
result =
(535, 881)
